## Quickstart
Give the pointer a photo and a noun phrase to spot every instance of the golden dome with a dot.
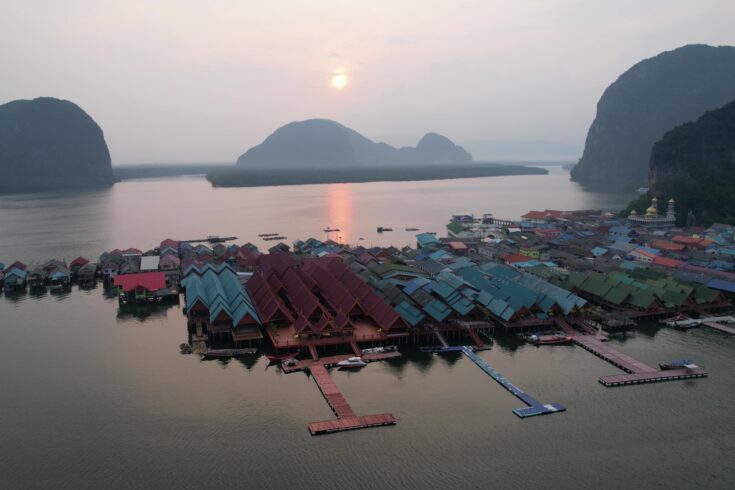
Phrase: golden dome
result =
(633, 213)
(653, 210)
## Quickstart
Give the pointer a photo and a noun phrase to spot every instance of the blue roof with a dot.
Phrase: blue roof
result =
(419, 282)
(620, 230)
(438, 255)
(722, 285)
(20, 274)
(425, 239)
(721, 265)
(598, 251)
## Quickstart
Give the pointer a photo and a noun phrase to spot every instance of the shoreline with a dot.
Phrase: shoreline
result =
(264, 177)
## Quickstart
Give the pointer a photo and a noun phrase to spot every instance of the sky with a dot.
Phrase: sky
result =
(203, 81)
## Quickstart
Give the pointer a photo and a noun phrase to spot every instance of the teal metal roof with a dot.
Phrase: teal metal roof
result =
(410, 313)
(425, 239)
(219, 290)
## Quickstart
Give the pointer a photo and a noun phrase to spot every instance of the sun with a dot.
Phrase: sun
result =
(339, 80)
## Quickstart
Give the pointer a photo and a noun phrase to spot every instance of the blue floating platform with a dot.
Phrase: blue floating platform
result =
(534, 407)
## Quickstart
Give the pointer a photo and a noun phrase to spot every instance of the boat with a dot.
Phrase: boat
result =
(412, 229)
(215, 239)
(464, 218)
(330, 230)
(380, 350)
(549, 339)
(678, 364)
(352, 363)
(185, 349)
(224, 353)
(281, 357)
(381, 229)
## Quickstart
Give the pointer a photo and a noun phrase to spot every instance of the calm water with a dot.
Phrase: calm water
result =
(93, 399)
(141, 213)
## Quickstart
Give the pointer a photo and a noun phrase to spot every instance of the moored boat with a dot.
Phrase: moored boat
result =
(549, 339)
(224, 353)
(352, 363)
(678, 364)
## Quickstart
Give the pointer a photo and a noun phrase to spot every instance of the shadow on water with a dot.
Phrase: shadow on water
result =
(508, 343)
(37, 292)
(16, 296)
(142, 312)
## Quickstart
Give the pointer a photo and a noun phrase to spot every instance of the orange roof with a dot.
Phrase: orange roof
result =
(458, 245)
(686, 240)
(667, 245)
(513, 258)
(667, 262)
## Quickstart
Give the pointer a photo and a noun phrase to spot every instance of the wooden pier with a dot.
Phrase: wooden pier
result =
(636, 371)
(652, 377)
(346, 417)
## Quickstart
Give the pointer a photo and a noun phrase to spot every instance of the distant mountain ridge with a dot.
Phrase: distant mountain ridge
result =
(323, 143)
(48, 143)
(652, 97)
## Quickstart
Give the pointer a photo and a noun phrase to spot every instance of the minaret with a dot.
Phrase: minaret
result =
(671, 212)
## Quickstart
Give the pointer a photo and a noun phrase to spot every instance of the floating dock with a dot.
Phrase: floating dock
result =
(534, 407)
(346, 417)
(719, 327)
(636, 371)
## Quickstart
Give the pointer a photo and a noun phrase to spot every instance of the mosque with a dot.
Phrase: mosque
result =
(652, 219)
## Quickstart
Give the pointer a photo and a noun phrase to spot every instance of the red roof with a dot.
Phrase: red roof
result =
(457, 246)
(547, 231)
(151, 281)
(17, 265)
(79, 262)
(513, 258)
(549, 213)
(170, 243)
(645, 253)
(534, 215)
(667, 262)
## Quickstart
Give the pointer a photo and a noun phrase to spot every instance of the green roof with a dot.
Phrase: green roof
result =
(456, 227)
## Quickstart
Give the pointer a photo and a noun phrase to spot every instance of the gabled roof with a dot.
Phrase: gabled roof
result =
(150, 281)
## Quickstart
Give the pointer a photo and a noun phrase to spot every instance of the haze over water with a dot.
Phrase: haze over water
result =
(99, 398)
(141, 213)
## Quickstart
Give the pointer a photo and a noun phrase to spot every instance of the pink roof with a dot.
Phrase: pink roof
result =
(645, 253)
(151, 281)
(132, 251)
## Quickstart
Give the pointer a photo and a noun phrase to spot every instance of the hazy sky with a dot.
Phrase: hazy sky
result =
(197, 80)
